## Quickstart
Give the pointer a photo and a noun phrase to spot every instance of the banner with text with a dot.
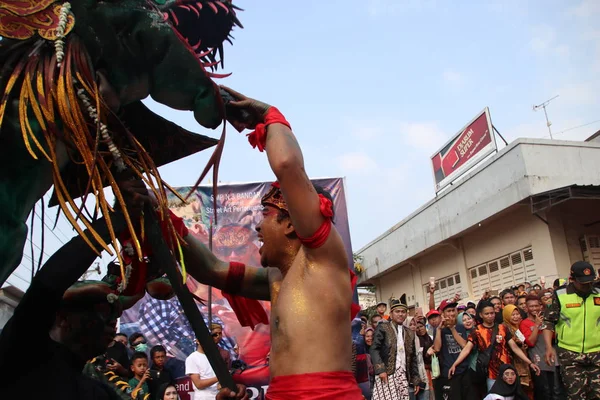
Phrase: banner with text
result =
(234, 239)
(473, 143)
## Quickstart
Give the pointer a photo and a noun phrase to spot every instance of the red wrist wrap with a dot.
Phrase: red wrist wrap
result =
(258, 138)
(235, 276)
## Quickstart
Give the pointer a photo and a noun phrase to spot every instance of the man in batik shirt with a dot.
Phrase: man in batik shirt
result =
(394, 356)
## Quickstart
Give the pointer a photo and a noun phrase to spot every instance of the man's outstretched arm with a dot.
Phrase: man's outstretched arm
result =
(287, 163)
(206, 268)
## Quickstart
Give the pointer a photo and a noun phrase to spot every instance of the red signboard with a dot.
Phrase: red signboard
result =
(474, 142)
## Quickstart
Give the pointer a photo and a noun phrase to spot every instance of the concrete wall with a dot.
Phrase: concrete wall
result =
(509, 232)
(524, 168)
(558, 242)
(579, 218)
(397, 283)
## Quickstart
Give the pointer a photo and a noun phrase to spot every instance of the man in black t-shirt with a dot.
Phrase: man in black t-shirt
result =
(449, 340)
(60, 324)
(160, 375)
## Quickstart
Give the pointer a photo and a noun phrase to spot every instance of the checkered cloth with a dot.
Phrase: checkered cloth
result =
(164, 322)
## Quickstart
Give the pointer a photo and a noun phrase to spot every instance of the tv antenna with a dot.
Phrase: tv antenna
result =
(543, 105)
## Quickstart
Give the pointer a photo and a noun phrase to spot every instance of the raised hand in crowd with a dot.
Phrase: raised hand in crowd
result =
(447, 322)
(539, 319)
(116, 367)
(146, 376)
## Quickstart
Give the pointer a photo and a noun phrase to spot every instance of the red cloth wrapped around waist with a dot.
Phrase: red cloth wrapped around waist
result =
(315, 386)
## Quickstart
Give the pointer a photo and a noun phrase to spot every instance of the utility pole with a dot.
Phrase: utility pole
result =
(543, 105)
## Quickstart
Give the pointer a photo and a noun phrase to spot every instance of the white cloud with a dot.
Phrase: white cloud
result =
(452, 77)
(356, 162)
(376, 7)
(425, 136)
(365, 131)
(562, 50)
(544, 42)
(591, 34)
(543, 37)
(579, 94)
(586, 8)
(387, 7)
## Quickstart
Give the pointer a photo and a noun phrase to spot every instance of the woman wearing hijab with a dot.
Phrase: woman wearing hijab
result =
(360, 364)
(467, 321)
(507, 386)
(423, 343)
(369, 332)
(512, 318)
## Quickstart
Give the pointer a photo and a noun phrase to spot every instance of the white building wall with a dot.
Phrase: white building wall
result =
(397, 283)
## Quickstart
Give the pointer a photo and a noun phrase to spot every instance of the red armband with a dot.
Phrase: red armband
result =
(258, 138)
(178, 224)
(320, 236)
(235, 277)
(249, 312)
(326, 206)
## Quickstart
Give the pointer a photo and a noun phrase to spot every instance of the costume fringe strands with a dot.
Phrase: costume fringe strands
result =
(59, 93)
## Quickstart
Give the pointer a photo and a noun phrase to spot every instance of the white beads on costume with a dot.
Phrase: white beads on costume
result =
(59, 43)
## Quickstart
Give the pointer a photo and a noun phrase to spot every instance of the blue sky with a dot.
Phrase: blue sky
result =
(372, 88)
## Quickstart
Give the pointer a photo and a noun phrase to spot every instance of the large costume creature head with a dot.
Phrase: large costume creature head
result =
(72, 77)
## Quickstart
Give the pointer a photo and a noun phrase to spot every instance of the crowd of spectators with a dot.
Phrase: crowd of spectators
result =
(527, 342)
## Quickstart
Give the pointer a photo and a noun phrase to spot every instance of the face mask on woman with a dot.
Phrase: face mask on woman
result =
(142, 347)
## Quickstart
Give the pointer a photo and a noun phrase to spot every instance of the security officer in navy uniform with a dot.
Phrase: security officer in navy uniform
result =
(574, 316)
